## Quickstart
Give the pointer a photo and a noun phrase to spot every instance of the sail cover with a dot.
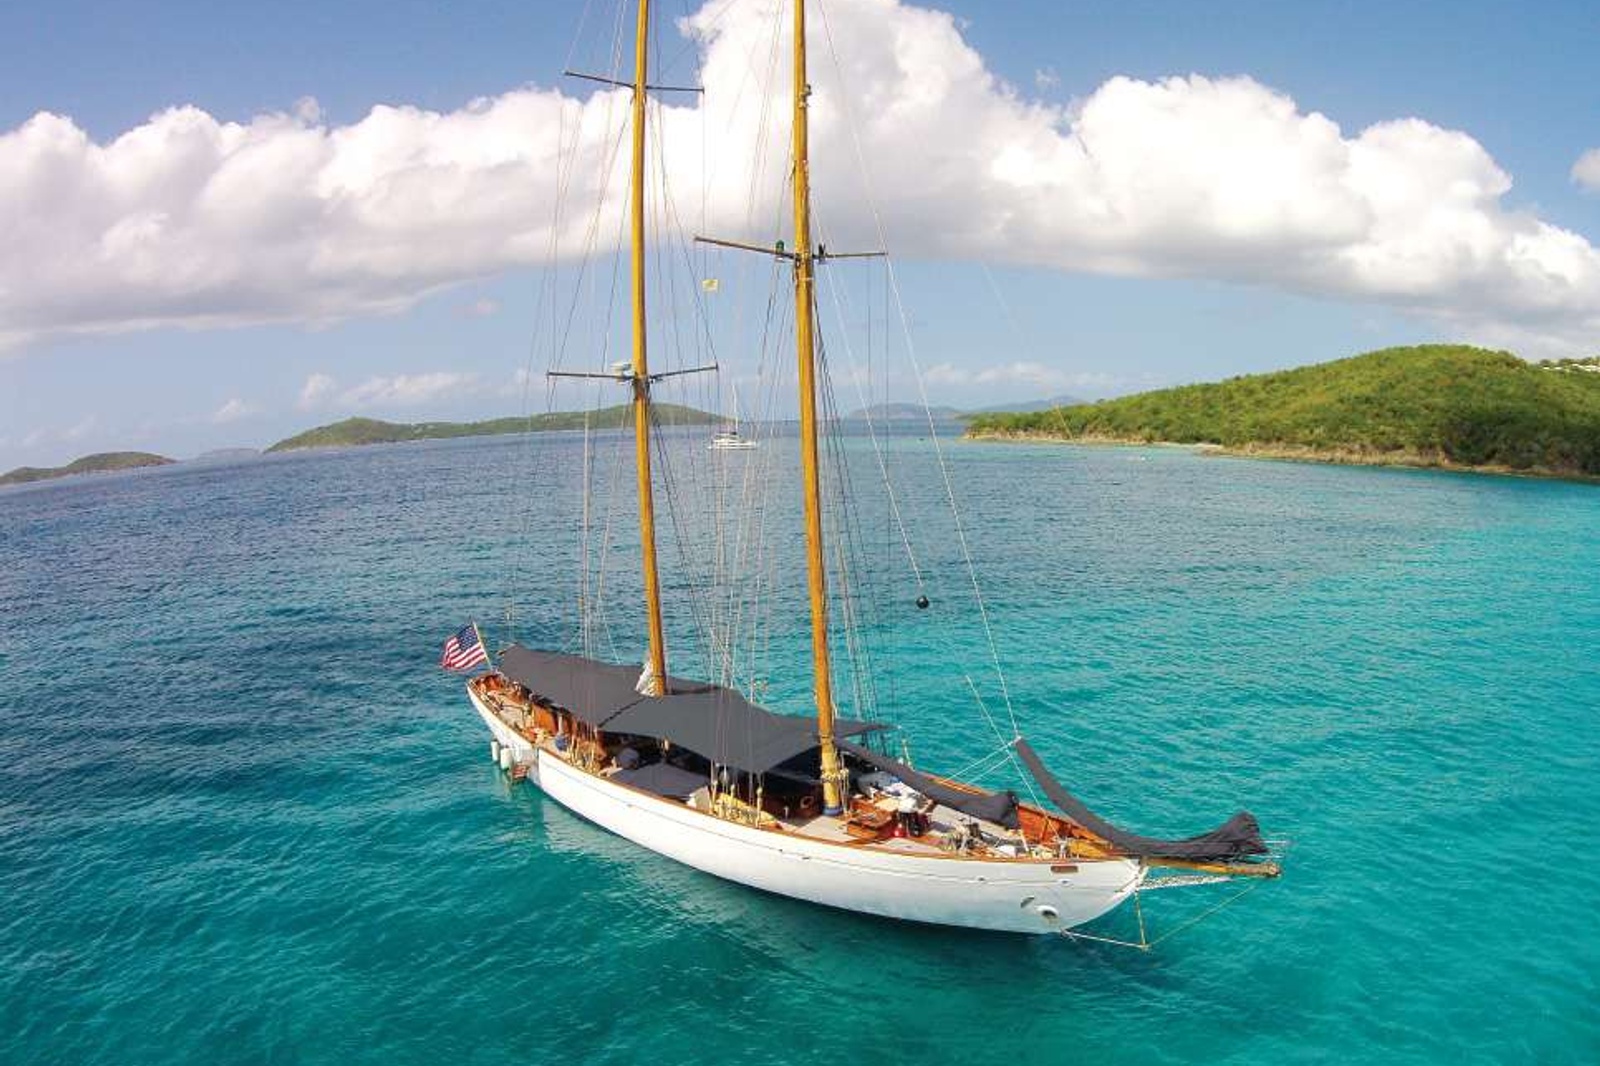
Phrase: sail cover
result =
(997, 807)
(1236, 838)
(707, 719)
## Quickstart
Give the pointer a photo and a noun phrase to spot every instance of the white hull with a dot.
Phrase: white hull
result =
(1021, 896)
(522, 750)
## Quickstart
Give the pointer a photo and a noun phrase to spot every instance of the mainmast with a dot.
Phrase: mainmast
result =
(656, 663)
(804, 301)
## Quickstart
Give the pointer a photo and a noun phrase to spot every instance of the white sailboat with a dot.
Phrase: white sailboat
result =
(806, 807)
(730, 439)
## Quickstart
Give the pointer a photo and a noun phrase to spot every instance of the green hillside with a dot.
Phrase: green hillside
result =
(1445, 405)
(89, 464)
(357, 431)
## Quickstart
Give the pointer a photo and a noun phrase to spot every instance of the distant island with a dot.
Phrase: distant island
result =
(902, 412)
(915, 412)
(226, 455)
(89, 464)
(1432, 405)
(353, 432)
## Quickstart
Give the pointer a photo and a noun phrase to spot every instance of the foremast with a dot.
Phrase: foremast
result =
(805, 345)
(656, 660)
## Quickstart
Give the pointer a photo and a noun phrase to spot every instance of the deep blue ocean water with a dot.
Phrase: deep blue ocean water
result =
(244, 818)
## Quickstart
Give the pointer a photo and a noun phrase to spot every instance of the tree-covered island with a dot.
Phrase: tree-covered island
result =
(1432, 405)
(89, 464)
(357, 431)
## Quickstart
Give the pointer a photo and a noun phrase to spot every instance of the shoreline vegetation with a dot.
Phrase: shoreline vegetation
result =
(100, 462)
(1444, 407)
(1400, 459)
(1447, 407)
(359, 432)
(356, 432)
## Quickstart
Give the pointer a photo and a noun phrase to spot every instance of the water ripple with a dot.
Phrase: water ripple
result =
(244, 819)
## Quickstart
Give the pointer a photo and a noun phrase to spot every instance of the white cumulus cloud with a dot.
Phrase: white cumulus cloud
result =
(316, 391)
(409, 390)
(231, 411)
(68, 435)
(81, 428)
(1030, 374)
(1586, 171)
(191, 221)
(483, 307)
(1020, 372)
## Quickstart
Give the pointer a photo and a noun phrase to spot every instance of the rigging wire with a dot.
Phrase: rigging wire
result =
(711, 622)
(849, 549)
(864, 397)
(905, 326)
(550, 286)
(1017, 331)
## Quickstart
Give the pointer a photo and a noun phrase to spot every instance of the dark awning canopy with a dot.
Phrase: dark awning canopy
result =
(707, 719)
(1237, 838)
(593, 691)
(663, 779)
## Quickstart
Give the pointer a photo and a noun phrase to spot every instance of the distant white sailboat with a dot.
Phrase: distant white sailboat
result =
(728, 438)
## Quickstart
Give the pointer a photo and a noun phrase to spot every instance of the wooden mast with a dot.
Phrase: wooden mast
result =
(657, 662)
(804, 301)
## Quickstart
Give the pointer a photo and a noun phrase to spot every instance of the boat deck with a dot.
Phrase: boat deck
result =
(942, 821)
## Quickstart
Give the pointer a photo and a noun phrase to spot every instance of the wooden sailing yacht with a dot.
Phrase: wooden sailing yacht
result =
(805, 806)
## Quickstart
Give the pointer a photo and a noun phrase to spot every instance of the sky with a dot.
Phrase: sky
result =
(222, 224)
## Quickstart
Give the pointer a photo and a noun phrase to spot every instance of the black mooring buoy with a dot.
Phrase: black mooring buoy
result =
(922, 603)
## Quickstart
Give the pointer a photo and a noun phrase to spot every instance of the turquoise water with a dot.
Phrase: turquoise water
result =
(245, 819)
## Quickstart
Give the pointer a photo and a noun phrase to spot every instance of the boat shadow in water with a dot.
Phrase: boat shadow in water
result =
(736, 946)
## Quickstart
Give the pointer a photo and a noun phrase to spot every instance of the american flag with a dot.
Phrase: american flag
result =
(464, 650)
